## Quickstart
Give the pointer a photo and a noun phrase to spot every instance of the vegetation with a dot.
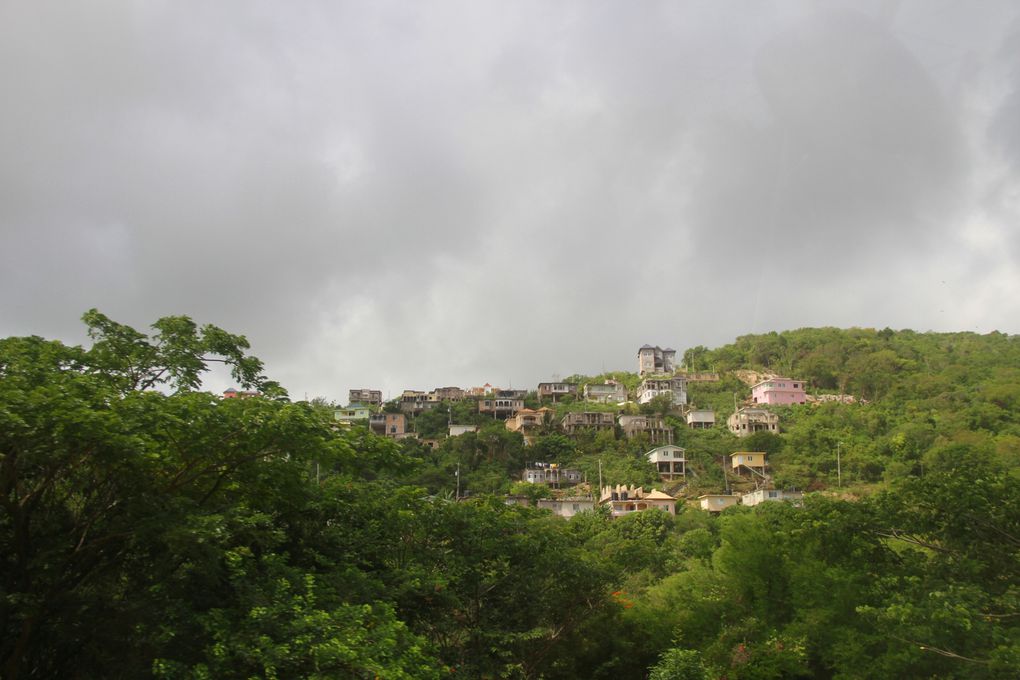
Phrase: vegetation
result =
(148, 529)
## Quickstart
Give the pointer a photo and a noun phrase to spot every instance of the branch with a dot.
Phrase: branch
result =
(941, 652)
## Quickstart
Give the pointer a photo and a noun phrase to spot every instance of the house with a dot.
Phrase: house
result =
(457, 430)
(779, 392)
(623, 500)
(751, 460)
(414, 402)
(748, 420)
(392, 425)
(441, 394)
(556, 390)
(594, 420)
(609, 392)
(566, 507)
(670, 461)
(352, 414)
(653, 426)
(369, 397)
(717, 502)
(655, 360)
(551, 474)
(234, 393)
(482, 391)
(500, 407)
(528, 421)
(700, 419)
(762, 495)
(675, 387)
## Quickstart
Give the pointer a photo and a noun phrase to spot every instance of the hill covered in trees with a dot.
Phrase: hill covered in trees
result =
(149, 529)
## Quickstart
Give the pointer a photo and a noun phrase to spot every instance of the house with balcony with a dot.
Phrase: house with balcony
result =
(675, 388)
(779, 392)
(501, 407)
(656, 361)
(556, 390)
(670, 462)
(362, 396)
(654, 427)
(441, 394)
(552, 475)
(529, 422)
(700, 418)
(572, 423)
(751, 462)
(624, 500)
(750, 419)
(609, 392)
(414, 402)
(717, 502)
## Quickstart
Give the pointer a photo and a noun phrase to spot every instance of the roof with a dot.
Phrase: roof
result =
(656, 495)
(645, 347)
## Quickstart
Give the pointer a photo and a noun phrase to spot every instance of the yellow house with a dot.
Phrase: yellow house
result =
(717, 502)
(754, 460)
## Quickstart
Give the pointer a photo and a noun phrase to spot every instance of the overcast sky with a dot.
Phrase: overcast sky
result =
(415, 194)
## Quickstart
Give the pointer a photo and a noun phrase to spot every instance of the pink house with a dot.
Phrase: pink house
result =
(779, 391)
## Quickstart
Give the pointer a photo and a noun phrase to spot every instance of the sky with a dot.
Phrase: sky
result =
(406, 195)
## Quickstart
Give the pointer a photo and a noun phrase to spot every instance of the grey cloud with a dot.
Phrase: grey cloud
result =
(402, 195)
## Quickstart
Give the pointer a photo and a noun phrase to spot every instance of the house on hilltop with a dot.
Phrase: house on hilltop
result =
(700, 419)
(748, 420)
(779, 392)
(655, 427)
(670, 461)
(362, 396)
(675, 388)
(624, 500)
(655, 360)
(717, 502)
(594, 420)
(753, 461)
(609, 392)
(556, 390)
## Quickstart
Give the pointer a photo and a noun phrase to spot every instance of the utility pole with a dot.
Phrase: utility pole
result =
(600, 478)
(458, 481)
(839, 471)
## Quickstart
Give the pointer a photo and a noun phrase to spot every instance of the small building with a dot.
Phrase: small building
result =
(779, 392)
(609, 392)
(362, 396)
(655, 360)
(392, 425)
(717, 502)
(500, 407)
(700, 419)
(441, 394)
(457, 430)
(624, 500)
(352, 414)
(750, 419)
(653, 426)
(675, 388)
(556, 390)
(566, 507)
(762, 495)
(552, 475)
(592, 420)
(670, 461)
(750, 460)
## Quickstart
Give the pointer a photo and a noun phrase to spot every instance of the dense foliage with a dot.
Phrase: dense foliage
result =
(148, 529)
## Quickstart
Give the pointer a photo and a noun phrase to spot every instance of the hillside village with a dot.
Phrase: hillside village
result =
(645, 409)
